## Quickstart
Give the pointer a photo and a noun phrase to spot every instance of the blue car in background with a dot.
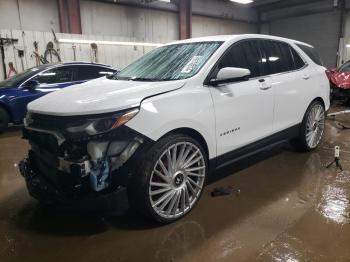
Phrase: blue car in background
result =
(17, 91)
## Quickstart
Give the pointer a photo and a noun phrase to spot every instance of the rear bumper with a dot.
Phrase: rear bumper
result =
(44, 191)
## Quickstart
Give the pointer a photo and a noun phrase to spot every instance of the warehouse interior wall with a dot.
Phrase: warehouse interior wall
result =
(159, 26)
(206, 26)
(33, 20)
(142, 24)
(36, 15)
(117, 56)
(104, 20)
(224, 10)
(347, 24)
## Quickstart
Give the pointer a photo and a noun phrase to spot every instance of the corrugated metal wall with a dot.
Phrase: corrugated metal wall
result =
(35, 15)
(151, 25)
(206, 26)
(320, 30)
(142, 24)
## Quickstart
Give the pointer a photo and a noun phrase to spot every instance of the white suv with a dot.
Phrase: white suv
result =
(156, 129)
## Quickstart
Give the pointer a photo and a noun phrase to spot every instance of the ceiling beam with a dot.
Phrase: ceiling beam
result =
(285, 4)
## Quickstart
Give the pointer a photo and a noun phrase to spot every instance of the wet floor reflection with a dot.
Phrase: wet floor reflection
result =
(334, 204)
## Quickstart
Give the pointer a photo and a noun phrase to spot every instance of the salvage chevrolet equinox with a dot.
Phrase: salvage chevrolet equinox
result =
(156, 129)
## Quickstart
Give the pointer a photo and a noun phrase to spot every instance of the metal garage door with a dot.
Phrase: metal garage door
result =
(320, 30)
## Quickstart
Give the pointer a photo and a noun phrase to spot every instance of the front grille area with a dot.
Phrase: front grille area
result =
(49, 122)
(43, 141)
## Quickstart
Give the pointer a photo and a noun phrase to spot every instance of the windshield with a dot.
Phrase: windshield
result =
(172, 62)
(17, 80)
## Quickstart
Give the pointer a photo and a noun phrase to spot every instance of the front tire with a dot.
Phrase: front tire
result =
(312, 128)
(170, 179)
(4, 119)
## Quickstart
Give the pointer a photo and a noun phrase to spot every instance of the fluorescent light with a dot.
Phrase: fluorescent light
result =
(347, 45)
(242, 1)
(100, 42)
(168, 1)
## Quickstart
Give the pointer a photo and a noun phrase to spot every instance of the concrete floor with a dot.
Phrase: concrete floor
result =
(290, 208)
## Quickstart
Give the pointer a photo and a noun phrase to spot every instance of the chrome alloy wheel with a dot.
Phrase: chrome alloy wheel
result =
(177, 180)
(315, 126)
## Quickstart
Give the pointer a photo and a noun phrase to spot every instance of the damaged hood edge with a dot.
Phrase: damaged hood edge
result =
(100, 96)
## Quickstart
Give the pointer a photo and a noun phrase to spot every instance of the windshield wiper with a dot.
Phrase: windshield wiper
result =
(143, 79)
(116, 77)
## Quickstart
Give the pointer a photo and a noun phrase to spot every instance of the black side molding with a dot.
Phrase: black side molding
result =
(254, 148)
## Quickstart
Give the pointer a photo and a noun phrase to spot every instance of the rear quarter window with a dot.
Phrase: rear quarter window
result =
(312, 53)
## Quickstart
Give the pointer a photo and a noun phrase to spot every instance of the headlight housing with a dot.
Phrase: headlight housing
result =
(104, 124)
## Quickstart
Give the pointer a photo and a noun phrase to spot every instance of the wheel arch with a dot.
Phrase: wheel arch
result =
(7, 109)
(192, 133)
(320, 99)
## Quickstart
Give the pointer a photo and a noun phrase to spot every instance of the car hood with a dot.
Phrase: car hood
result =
(100, 96)
(8, 92)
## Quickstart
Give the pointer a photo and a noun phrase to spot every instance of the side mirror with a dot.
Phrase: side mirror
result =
(31, 85)
(231, 74)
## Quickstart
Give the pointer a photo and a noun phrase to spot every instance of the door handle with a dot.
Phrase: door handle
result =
(264, 85)
(306, 76)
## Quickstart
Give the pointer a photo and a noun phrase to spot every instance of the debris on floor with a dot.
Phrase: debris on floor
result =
(332, 116)
(338, 113)
(223, 191)
(342, 126)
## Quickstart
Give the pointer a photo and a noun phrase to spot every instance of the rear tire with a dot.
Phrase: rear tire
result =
(312, 128)
(170, 179)
(4, 119)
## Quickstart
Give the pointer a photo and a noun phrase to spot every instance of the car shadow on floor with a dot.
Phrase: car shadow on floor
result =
(11, 131)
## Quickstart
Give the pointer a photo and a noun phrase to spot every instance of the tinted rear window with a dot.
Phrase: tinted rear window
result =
(312, 53)
(298, 61)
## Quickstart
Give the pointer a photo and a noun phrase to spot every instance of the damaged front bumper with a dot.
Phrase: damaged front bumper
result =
(43, 190)
(75, 169)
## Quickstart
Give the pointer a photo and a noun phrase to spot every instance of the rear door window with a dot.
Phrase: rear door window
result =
(246, 55)
(277, 58)
(312, 53)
